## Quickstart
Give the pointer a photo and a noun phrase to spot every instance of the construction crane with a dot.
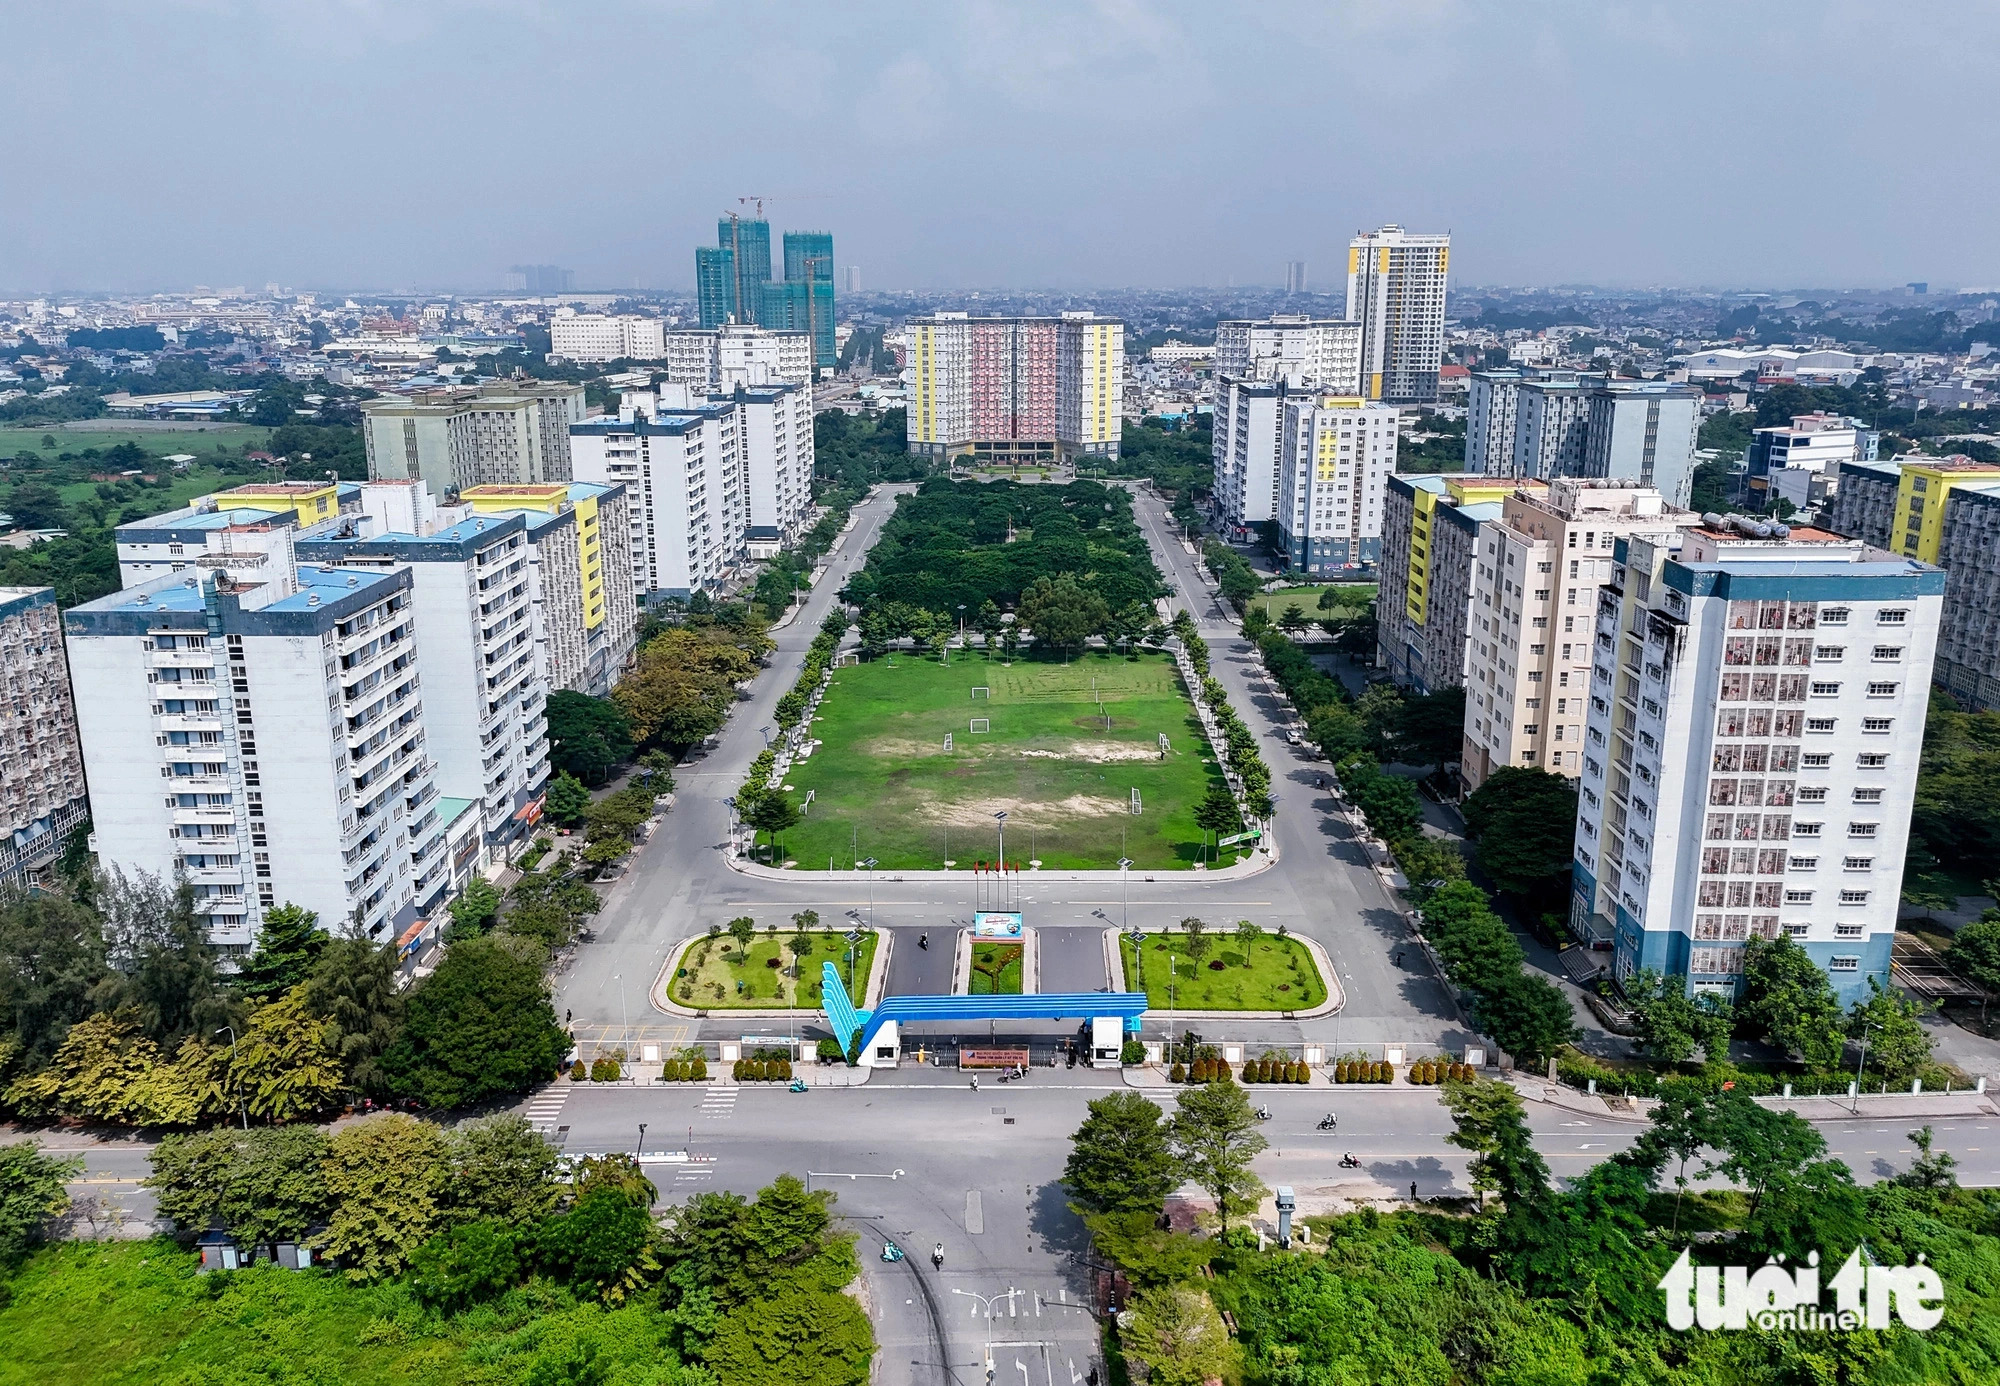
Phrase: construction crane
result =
(744, 201)
(736, 250)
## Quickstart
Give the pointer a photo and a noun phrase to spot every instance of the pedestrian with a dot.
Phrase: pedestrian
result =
(1413, 1191)
(975, 1082)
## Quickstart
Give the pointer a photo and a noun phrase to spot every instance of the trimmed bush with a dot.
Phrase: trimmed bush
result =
(736, 1070)
(604, 1071)
(577, 1072)
(1132, 1052)
(1178, 1073)
(784, 1070)
(1378, 1072)
(1339, 1072)
(828, 1051)
(1300, 1073)
(698, 1070)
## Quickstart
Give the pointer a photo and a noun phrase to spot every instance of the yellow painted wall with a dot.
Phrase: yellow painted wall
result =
(1932, 486)
(320, 503)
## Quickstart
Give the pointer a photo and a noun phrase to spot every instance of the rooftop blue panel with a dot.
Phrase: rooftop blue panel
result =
(1806, 580)
(185, 524)
(845, 1018)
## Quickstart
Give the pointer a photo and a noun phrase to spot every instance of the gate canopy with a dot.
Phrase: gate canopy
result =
(846, 1018)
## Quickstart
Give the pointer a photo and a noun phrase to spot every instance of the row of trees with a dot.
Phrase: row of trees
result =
(1217, 813)
(779, 584)
(119, 1011)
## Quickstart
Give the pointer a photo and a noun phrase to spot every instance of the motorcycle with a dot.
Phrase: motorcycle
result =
(1328, 1122)
(798, 1085)
(923, 940)
(1263, 1113)
(937, 1256)
(891, 1252)
(1350, 1161)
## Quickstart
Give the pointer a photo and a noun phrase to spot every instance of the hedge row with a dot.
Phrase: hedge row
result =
(1276, 1071)
(762, 1070)
(685, 1071)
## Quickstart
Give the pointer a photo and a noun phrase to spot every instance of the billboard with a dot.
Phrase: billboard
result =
(996, 924)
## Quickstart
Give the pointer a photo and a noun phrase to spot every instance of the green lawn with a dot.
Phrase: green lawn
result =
(1356, 597)
(996, 969)
(715, 977)
(885, 787)
(136, 1314)
(161, 442)
(184, 487)
(1277, 974)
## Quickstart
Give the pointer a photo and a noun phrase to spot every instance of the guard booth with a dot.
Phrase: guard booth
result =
(1111, 1016)
(1107, 1040)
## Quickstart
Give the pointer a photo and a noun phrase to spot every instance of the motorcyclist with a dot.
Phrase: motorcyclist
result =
(923, 940)
(937, 1256)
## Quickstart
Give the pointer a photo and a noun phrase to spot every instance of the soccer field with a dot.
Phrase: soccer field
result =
(884, 786)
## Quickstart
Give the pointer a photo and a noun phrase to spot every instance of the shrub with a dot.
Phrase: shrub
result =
(1178, 1073)
(828, 1051)
(1378, 1072)
(698, 1070)
(577, 1072)
(1222, 1073)
(1300, 1073)
(1339, 1072)
(1132, 1052)
(604, 1071)
(784, 1067)
(736, 1069)
(1250, 1071)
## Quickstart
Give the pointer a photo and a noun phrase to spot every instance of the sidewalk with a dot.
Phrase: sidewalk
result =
(1895, 1106)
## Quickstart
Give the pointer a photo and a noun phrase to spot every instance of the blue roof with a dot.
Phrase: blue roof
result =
(845, 1018)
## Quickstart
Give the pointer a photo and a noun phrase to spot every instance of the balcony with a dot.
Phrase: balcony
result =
(180, 659)
(189, 722)
(221, 815)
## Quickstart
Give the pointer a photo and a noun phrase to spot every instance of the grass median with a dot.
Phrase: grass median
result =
(719, 974)
(1268, 974)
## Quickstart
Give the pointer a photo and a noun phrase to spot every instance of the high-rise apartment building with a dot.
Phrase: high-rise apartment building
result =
(42, 795)
(804, 306)
(1324, 353)
(1339, 452)
(264, 738)
(738, 354)
(715, 285)
(483, 711)
(1529, 622)
(1757, 704)
(682, 468)
(1944, 511)
(850, 279)
(508, 433)
(733, 283)
(1295, 276)
(1551, 425)
(1247, 443)
(775, 440)
(1015, 389)
(1396, 290)
(1491, 396)
(1430, 533)
(596, 337)
(1644, 434)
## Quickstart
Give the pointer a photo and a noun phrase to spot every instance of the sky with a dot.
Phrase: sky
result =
(1064, 144)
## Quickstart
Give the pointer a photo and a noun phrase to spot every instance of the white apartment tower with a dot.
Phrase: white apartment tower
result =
(1247, 445)
(1339, 452)
(1395, 290)
(775, 433)
(266, 739)
(1534, 587)
(41, 766)
(721, 358)
(595, 337)
(1322, 352)
(682, 470)
(1757, 704)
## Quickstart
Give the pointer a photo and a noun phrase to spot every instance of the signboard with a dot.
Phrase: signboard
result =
(1234, 838)
(996, 924)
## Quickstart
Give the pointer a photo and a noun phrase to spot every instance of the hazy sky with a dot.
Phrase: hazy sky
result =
(432, 143)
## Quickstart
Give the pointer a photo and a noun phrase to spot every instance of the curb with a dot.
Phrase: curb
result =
(1336, 995)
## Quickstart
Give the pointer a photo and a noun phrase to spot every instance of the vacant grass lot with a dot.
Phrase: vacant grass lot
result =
(885, 787)
(1354, 596)
(1275, 974)
(996, 969)
(160, 442)
(717, 977)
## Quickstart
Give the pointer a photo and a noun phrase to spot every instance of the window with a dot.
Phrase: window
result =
(1853, 897)
(1797, 930)
(1847, 931)
(1812, 794)
(1882, 690)
(1895, 616)
(1888, 652)
(1547, 567)
(1862, 829)
(1805, 863)
(1868, 795)
(1871, 760)
(1820, 724)
(1798, 897)
(1857, 863)
(1817, 760)
(1825, 690)
(1805, 829)
(1843, 962)
(1833, 616)
(1829, 651)
(1875, 724)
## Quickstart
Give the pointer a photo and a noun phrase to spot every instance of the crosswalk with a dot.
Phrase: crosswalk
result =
(719, 1103)
(546, 1108)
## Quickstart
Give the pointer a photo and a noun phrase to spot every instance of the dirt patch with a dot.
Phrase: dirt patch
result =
(901, 747)
(1020, 812)
(1096, 752)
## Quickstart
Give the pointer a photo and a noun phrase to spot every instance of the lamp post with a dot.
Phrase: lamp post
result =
(624, 1017)
(1001, 819)
(641, 1150)
(241, 1110)
(870, 864)
(1861, 1064)
(1124, 892)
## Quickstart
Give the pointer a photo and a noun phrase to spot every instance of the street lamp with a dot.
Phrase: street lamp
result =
(1001, 819)
(765, 732)
(624, 1017)
(1124, 890)
(642, 1141)
(242, 1111)
(1863, 1063)
(870, 864)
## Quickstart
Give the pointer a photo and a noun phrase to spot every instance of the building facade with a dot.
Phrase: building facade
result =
(42, 798)
(1338, 452)
(1757, 705)
(508, 433)
(775, 440)
(1323, 352)
(1015, 389)
(1530, 616)
(1643, 434)
(1490, 399)
(265, 739)
(738, 354)
(596, 338)
(683, 477)
(1396, 291)
(1247, 445)
(1430, 534)
(1551, 426)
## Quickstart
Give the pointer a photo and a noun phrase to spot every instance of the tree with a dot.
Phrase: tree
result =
(479, 1027)
(384, 1175)
(773, 813)
(51, 956)
(1489, 1120)
(475, 910)
(1293, 619)
(168, 972)
(743, 928)
(1061, 614)
(1897, 1040)
(587, 736)
(1176, 1331)
(1120, 1159)
(1678, 1133)
(1929, 1172)
(500, 1167)
(287, 943)
(1216, 813)
(467, 1263)
(1248, 931)
(1214, 1138)
(285, 1066)
(1430, 728)
(1786, 998)
(1528, 1015)
(1672, 1025)
(1974, 952)
(32, 1190)
(603, 1245)
(1197, 941)
(797, 1335)
(655, 773)
(568, 799)
(265, 1185)
(1523, 820)
(353, 988)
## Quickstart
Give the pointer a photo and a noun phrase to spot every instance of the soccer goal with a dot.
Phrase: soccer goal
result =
(980, 724)
(1164, 746)
(1135, 803)
(947, 743)
(982, 691)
